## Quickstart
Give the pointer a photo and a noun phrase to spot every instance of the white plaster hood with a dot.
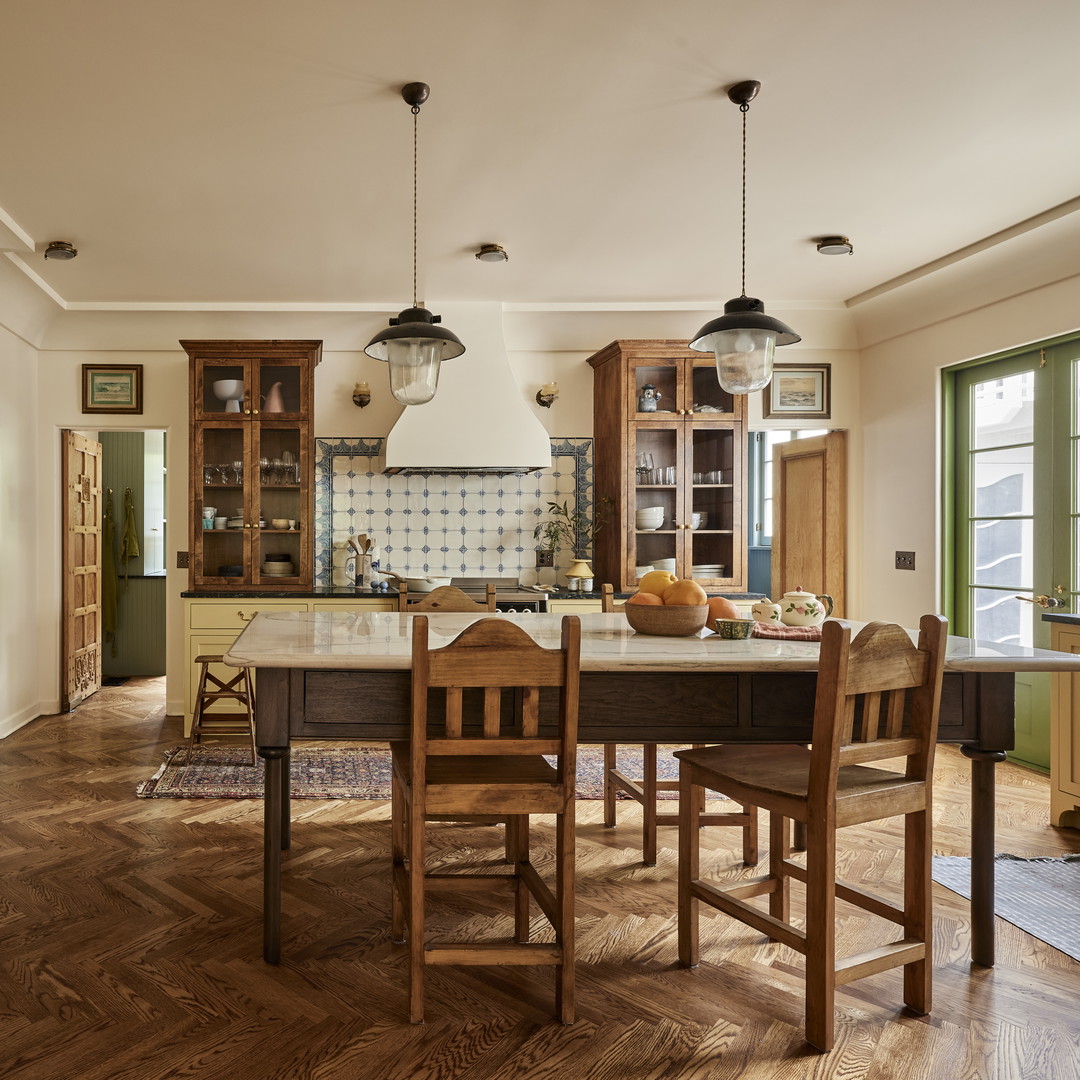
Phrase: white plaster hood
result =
(480, 419)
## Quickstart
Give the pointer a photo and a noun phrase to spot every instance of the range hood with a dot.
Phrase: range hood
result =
(480, 420)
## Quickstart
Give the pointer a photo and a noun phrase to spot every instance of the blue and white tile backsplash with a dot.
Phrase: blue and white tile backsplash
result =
(460, 525)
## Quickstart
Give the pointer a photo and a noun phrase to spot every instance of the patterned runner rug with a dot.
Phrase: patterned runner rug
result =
(1040, 896)
(226, 772)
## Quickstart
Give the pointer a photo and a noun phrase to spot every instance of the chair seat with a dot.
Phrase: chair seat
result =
(485, 784)
(778, 777)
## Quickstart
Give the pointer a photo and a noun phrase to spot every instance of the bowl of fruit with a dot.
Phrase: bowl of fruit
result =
(667, 606)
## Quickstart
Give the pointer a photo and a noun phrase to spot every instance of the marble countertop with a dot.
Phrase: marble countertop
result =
(382, 641)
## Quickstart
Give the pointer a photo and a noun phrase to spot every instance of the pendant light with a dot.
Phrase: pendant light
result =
(414, 345)
(744, 337)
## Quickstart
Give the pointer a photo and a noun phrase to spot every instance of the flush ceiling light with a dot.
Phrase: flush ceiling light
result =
(414, 345)
(61, 249)
(744, 338)
(835, 245)
(492, 253)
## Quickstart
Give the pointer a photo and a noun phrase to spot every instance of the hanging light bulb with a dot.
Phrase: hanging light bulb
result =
(744, 338)
(414, 345)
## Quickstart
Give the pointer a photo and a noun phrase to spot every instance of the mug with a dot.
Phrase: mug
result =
(220, 522)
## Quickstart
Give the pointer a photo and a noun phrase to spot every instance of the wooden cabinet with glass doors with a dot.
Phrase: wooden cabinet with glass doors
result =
(670, 452)
(251, 467)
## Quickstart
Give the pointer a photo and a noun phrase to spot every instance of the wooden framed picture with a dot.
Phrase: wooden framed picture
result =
(798, 392)
(112, 388)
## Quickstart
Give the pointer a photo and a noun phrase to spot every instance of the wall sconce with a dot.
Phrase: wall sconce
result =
(361, 395)
(547, 394)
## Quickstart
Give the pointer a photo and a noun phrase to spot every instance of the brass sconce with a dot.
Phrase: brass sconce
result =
(361, 395)
(547, 394)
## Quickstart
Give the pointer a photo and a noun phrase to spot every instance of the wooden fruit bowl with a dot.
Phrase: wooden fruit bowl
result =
(673, 621)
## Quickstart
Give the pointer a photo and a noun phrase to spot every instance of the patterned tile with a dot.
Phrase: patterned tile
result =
(431, 523)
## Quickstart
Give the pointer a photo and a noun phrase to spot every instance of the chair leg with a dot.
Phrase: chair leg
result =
(517, 831)
(689, 858)
(564, 900)
(249, 689)
(416, 910)
(779, 850)
(820, 933)
(609, 786)
(750, 851)
(397, 859)
(648, 810)
(918, 917)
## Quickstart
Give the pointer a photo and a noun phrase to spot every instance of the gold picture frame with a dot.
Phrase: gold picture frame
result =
(798, 392)
(112, 388)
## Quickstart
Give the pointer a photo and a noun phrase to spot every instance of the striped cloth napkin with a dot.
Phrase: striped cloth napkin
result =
(792, 633)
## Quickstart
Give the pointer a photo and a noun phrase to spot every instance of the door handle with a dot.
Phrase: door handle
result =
(1043, 601)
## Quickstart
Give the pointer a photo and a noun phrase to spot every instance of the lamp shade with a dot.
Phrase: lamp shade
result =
(743, 340)
(414, 346)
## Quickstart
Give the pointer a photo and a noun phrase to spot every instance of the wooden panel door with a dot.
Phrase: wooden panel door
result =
(810, 511)
(81, 594)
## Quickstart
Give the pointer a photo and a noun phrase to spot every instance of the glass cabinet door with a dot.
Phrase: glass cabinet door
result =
(276, 470)
(713, 460)
(706, 397)
(280, 388)
(655, 388)
(223, 507)
(658, 505)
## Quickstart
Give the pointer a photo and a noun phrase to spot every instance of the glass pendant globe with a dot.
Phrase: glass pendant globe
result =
(744, 359)
(414, 368)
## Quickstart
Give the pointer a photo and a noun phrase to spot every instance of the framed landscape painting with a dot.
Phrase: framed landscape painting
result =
(112, 388)
(798, 392)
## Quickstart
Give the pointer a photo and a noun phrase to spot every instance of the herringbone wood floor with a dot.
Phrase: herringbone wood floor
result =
(130, 946)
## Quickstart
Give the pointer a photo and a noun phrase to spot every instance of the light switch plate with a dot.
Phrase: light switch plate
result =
(182, 560)
(905, 560)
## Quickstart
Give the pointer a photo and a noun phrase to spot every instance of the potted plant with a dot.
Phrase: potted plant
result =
(571, 528)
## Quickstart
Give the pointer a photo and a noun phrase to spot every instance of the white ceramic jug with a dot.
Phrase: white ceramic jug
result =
(799, 608)
(766, 611)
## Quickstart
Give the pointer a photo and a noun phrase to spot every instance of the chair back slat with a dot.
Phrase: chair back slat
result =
(530, 712)
(444, 598)
(453, 711)
(492, 711)
(864, 689)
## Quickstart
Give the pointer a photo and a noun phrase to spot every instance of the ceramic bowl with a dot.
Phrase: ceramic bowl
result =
(733, 629)
(680, 621)
(279, 523)
(228, 389)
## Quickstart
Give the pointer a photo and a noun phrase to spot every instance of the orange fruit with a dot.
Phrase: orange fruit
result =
(685, 593)
(645, 598)
(656, 581)
(720, 607)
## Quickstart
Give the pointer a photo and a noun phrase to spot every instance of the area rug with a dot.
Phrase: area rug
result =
(1040, 896)
(225, 772)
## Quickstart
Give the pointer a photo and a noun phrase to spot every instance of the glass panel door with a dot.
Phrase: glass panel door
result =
(225, 506)
(712, 517)
(657, 505)
(276, 557)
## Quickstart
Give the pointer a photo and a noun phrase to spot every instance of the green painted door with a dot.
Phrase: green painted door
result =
(1013, 523)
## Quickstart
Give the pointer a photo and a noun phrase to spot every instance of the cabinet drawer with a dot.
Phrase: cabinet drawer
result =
(574, 607)
(234, 614)
(365, 604)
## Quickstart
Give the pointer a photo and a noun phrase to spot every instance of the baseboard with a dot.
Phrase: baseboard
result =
(174, 708)
(21, 719)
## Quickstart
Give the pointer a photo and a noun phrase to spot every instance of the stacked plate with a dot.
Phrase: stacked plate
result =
(667, 565)
(641, 571)
(277, 569)
(649, 518)
(708, 570)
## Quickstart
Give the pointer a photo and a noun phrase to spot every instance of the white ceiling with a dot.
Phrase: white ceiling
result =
(231, 152)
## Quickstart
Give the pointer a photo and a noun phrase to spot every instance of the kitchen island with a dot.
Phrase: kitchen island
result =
(339, 674)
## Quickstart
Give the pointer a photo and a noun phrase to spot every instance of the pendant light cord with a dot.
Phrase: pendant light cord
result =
(415, 153)
(744, 108)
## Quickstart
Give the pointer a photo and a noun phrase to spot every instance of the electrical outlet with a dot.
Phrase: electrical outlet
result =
(545, 558)
(182, 560)
(905, 560)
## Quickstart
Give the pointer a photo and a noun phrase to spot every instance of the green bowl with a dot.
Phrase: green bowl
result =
(733, 629)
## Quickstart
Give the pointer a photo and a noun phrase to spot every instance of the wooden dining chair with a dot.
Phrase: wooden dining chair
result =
(877, 698)
(444, 598)
(459, 764)
(644, 791)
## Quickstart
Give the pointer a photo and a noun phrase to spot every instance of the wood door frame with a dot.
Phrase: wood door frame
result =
(826, 457)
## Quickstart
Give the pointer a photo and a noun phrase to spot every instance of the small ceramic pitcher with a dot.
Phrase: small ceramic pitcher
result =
(799, 608)
(766, 611)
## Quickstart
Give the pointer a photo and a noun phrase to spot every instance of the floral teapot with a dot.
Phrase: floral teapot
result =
(798, 608)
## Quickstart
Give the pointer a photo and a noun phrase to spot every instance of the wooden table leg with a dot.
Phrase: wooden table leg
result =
(275, 840)
(983, 842)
